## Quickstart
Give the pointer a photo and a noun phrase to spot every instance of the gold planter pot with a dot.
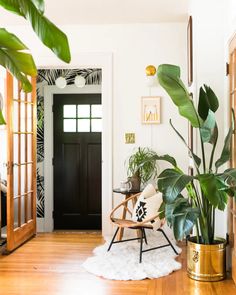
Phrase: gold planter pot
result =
(206, 262)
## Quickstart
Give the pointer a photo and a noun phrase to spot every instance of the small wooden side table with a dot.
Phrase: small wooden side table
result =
(127, 194)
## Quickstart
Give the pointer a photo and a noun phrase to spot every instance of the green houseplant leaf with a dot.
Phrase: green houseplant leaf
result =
(166, 158)
(19, 63)
(171, 182)
(207, 101)
(213, 188)
(10, 41)
(181, 217)
(226, 152)
(209, 129)
(169, 78)
(48, 33)
(195, 158)
(8, 59)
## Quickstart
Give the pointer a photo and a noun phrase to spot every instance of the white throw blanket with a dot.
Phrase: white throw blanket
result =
(122, 261)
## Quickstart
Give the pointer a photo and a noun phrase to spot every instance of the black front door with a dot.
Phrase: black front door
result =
(77, 161)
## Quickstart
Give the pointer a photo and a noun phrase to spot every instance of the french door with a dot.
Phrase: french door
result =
(21, 163)
(232, 203)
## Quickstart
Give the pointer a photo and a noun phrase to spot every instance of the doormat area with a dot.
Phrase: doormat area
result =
(122, 261)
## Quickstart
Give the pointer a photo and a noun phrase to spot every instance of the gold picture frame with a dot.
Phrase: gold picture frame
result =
(151, 109)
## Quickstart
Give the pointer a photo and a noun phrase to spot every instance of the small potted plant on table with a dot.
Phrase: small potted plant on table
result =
(142, 166)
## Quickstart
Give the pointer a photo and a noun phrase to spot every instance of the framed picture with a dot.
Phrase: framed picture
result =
(151, 110)
(190, 50)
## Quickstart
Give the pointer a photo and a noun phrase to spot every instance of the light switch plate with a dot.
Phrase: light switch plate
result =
(129, 137)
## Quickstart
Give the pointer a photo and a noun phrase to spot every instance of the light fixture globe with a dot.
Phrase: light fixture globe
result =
(150, 70)
(61, 82)
(80, 81)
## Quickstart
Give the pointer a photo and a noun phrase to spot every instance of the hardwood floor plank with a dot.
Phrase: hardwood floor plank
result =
(51, 264)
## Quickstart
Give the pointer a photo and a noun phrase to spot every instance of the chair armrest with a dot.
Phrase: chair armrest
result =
(123, 203)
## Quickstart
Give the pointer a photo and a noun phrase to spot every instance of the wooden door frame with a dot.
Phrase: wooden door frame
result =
(231, 204)
(103, 61)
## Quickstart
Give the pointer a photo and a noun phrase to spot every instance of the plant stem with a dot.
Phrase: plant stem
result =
(213, 152)
(213, 225)
(203, 154)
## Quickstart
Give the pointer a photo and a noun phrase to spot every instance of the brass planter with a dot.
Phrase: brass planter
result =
(206, 262)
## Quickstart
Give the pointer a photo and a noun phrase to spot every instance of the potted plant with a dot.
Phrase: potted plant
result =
(207, 190)
(141, 166)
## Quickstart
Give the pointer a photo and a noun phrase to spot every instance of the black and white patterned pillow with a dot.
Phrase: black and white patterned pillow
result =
(146, 208)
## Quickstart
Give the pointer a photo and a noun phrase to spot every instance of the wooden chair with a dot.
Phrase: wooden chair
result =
(140, 226)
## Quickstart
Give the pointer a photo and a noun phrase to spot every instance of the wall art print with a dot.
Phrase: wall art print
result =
(48, 77)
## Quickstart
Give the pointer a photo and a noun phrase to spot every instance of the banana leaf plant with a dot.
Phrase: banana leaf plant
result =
(208, 189)
(14, 54)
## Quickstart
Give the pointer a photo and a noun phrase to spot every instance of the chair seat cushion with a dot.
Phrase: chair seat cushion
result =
(128, 223)
(146, 208)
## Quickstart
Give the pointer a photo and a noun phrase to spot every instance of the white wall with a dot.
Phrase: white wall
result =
(133, 48)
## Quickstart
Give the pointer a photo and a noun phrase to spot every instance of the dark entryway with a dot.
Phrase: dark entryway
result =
(77, 161)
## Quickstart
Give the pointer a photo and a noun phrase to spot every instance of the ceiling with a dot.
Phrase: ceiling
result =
(65, 12)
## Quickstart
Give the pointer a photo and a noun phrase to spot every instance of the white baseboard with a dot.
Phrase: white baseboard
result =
(40, 225)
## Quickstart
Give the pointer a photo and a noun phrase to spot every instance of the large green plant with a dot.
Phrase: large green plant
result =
(14, 55)
(207, 189)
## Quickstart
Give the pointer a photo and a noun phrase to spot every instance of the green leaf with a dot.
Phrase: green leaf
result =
(171, 183)
(229, 177)
(9, 61)
(11, 5)
(207, 101)
(209, 129)
(226, 152)
(166, 158)
(162, 210)
(48, 33)
(39, 4)
(169, 79)
(10, 41)
(196, 159)
(181, 216)
(2, 120)
(213, 189)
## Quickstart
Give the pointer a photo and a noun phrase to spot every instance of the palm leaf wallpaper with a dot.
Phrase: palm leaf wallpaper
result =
(48, 77)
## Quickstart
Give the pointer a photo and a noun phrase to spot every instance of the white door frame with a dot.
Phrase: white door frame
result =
(103, 61)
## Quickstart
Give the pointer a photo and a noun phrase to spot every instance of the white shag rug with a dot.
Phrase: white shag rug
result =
(122, 261)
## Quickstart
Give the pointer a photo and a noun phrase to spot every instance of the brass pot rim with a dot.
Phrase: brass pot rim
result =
(221, 243)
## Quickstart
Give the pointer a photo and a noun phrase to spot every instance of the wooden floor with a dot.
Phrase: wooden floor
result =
(51, 264)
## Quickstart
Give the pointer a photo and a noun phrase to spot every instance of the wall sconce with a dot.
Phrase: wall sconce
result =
(61, 82)
(151, 79)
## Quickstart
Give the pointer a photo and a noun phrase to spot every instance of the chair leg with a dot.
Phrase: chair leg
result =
(161, 230)
(113, 239)
(145, 237)
(141, 246)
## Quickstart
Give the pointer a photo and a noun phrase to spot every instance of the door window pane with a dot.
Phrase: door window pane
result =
(69, 111)
(83, 111)
(83, 125)
(96, 125)
(69, 125)
(97, 110)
